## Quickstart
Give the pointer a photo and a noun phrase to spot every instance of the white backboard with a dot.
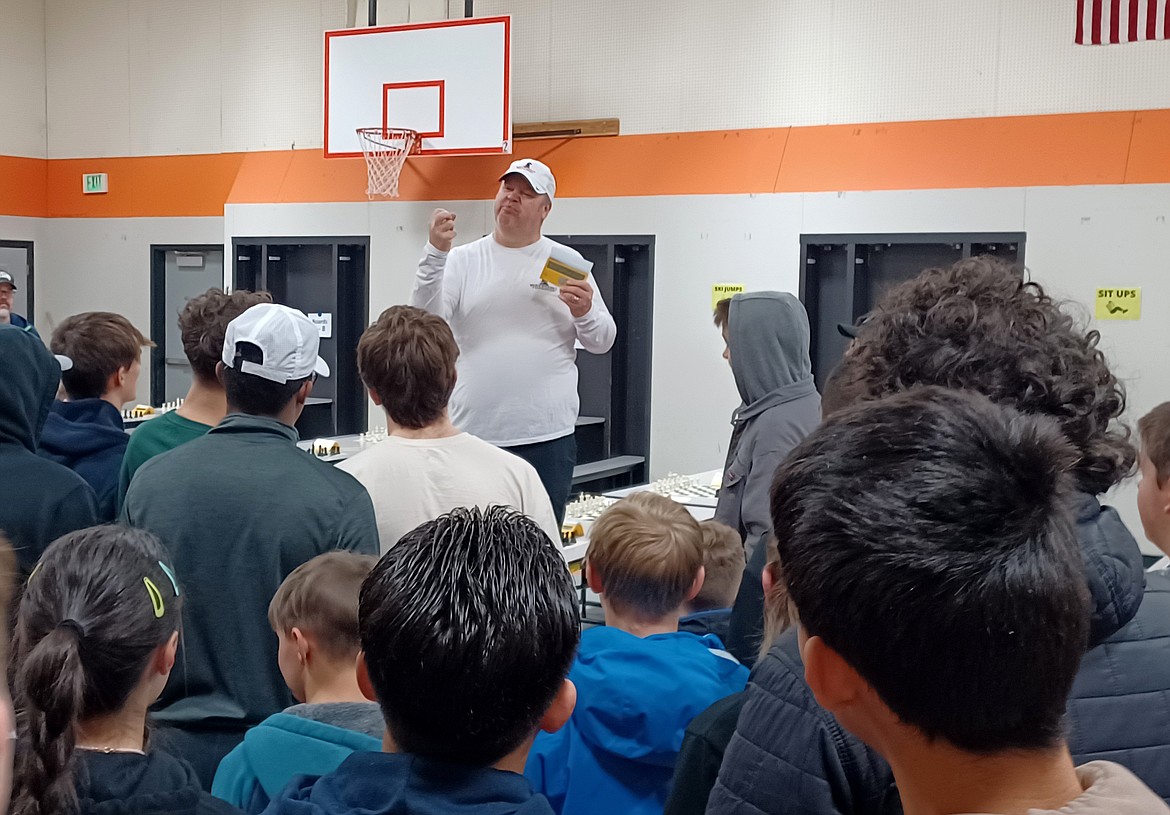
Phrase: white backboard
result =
(450, 80)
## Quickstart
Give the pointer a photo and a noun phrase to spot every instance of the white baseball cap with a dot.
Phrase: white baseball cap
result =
(5, 277)
(537, 173)
(286, 338)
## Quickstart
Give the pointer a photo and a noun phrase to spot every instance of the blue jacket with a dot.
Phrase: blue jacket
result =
(789, 756)
(88, 437)
(279, 748)
(635, 698)
(404, 784)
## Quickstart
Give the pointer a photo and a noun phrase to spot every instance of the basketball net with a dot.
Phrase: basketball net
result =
(385, 149)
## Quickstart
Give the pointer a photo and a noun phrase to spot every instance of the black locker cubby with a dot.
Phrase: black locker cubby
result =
(328, 275)
(613, 430)
(842, 276)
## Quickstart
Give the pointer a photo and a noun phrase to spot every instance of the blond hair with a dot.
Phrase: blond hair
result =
(647, 550)
(321, 598)
(723, 564)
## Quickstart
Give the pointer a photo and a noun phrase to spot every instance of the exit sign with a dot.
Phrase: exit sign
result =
(95, 183)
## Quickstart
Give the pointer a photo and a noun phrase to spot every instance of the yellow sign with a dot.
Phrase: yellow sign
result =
(1119, 304)
(722, 291)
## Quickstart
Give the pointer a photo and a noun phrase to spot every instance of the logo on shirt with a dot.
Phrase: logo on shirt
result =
(543, 286)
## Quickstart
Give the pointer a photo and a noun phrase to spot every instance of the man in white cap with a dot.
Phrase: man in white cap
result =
(7, 296)
(517, 335)
(240, 508)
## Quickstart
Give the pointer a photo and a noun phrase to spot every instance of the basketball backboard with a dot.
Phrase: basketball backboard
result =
(449, 80)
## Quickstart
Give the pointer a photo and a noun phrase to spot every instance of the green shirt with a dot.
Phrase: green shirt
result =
(151, 438)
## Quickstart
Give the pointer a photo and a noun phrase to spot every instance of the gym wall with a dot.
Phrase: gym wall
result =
(743, 129)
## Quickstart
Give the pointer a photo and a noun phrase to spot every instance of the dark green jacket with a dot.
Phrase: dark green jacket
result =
(239, 509)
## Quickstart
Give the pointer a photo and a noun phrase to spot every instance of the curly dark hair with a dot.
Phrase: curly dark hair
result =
(978, 325)
(203, 323)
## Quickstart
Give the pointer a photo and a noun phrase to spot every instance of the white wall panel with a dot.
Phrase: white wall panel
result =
(175, 82)
(22, 78)
(88, 77)
(143, 77)
(273, 58)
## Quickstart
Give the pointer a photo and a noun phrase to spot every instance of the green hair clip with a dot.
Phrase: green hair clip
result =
(156, 598)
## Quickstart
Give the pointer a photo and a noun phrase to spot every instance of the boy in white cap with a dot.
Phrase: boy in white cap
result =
(517, 373)
(239, 509)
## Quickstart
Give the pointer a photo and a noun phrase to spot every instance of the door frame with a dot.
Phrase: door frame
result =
(29, 299)
(158, 315)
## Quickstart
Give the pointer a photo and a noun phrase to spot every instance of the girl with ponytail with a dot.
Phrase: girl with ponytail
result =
(96, 634)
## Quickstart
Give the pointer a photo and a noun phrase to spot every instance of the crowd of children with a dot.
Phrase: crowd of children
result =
(938, 614)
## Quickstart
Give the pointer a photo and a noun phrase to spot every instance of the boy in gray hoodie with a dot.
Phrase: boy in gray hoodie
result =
(767, 337)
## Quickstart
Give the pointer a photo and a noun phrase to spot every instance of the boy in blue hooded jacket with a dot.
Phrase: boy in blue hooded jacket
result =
(315, 616)
(468, 627)
(639, 679)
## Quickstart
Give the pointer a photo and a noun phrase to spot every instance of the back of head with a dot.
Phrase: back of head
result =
(407, 357)
(768, 339)
(723, 563)
(949, 578)
(977, 325)
(100, 343)
(27, 387)
(321, 597)
(97, 605)
(270, 351)
(1154, 431)
(647, 551)
(203, 323)
(468, 626)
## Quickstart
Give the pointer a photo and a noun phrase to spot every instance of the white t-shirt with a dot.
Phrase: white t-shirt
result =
(412, 481)
(517, 372)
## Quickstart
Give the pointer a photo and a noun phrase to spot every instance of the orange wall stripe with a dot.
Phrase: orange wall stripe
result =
(145, 186)
(1124, 147)
(22, 186)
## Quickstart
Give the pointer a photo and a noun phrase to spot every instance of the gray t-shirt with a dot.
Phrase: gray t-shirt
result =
(361, 717)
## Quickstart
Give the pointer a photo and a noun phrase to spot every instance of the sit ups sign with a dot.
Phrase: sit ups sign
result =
(1119, 304)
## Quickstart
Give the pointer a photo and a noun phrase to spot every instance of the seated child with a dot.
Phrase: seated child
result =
(315, 616)
(468, 627)
(1154, 487)
(96, 635)
(639, 679)
(709, 611)
(943, 610)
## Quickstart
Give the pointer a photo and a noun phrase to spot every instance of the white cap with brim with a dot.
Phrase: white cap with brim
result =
(287, 339)
(5, 277)
(537, 173)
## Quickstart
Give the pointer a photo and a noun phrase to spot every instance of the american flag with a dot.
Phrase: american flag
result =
(1106, 22)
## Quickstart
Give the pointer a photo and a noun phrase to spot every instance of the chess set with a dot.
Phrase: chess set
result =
(142, 412)
(683, 488)
(342, 448)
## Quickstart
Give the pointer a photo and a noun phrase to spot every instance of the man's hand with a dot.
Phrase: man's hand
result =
(442, 230)
(578, 296)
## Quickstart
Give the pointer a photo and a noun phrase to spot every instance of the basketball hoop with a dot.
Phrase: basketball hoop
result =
(385, 149)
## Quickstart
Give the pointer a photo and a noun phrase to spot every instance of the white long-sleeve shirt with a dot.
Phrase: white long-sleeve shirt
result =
(517, 372)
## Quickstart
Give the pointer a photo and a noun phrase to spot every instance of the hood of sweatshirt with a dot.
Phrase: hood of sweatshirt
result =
(404, 784)
(82, 429)
(27, 388)
(667, 678)
(768, 339)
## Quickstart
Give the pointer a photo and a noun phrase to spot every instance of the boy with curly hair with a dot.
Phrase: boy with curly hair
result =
(979, 325)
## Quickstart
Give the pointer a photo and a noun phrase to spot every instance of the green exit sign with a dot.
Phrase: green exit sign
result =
(95, 183)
